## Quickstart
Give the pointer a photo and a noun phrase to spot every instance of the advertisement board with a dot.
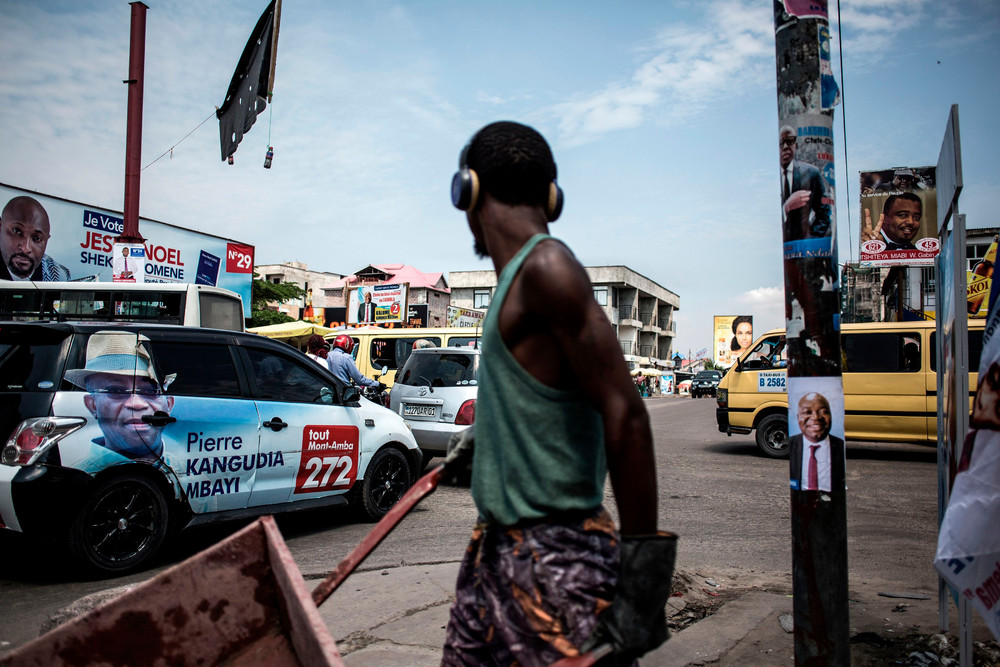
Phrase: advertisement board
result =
(898, 216)
(377, 304)
(464, 317)
(733, 334)
(76, 241)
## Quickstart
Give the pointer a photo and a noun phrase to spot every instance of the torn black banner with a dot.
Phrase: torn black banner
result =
(248, 92)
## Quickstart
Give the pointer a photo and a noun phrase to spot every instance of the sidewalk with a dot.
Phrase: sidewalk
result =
(398, 616)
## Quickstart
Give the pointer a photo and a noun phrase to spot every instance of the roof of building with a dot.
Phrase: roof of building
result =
(398, 273)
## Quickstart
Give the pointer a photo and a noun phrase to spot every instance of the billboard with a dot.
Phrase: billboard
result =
(464, 317)
(66, 240)
(898, 217)
(377, 304)
(733, 336)
(979, 281)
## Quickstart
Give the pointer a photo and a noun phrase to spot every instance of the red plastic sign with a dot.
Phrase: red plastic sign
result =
(329, 459)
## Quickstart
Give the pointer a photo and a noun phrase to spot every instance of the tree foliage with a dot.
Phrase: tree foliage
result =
(262, 292)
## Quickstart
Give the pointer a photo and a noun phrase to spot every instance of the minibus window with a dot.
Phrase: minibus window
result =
(889, 352)
(975, 350)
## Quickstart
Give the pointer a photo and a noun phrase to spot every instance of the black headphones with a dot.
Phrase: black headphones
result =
(465, 187)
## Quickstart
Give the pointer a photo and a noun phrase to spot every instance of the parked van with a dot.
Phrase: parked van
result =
(161, 303)
(890, 385)
(376, 347)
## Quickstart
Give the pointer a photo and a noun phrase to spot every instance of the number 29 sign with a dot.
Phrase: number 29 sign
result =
(329, 459)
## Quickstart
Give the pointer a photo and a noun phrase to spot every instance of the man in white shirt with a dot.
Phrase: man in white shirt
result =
(817, 458)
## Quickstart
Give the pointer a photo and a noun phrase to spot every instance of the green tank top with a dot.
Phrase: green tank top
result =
(539, 451)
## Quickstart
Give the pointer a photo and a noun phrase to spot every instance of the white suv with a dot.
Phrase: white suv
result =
(435, 393)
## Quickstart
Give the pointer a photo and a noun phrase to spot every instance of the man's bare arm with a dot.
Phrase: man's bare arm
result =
(561, 296)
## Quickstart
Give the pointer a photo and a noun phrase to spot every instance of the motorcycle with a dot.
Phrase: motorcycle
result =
(378, 394)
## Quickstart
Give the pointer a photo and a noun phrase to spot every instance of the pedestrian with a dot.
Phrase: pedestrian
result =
(317, 349)
(555, 413)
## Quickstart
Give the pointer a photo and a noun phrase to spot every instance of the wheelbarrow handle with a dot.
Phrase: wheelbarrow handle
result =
(585, 659)
(423, 487)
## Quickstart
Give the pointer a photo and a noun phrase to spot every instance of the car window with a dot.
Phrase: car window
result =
(281, 378)
(768, 353)
(31, 360)
(975, 349)
(440, 370)
(463, 341)
(197, 369)
(393, 352)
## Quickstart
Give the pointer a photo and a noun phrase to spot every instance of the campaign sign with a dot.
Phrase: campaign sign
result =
(329, 458)
(208, 269)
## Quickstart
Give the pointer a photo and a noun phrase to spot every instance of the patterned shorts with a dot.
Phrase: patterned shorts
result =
(530, 595)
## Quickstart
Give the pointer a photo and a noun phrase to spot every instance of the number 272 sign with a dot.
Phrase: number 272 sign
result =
(329, 459)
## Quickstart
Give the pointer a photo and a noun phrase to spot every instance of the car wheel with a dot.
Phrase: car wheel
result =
(386, 480)
(772, 436)
(121, 524)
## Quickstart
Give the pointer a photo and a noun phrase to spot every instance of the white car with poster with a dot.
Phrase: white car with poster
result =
(113, 435)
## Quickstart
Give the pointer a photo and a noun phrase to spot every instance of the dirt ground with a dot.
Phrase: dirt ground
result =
(883, 630)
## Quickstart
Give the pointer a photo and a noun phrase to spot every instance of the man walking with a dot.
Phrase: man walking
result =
(556, 413)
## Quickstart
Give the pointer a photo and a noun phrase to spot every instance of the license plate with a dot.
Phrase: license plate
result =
(419, 410)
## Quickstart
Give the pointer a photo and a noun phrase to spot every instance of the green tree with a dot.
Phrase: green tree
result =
(262, 292)
(710, 365)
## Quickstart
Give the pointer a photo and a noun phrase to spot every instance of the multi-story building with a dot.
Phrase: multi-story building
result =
(641, 311)
(872, 294)
(297, 272)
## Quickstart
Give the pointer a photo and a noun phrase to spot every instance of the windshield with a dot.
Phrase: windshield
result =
(440, 370)
(709, 375)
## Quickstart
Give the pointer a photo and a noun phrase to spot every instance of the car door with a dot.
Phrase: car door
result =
(309, 442)
(210, 425)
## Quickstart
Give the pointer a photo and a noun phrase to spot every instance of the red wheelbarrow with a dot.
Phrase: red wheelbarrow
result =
(242, 601)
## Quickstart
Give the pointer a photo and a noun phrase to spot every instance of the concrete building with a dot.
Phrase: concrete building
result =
(298, 273)
(641, 311)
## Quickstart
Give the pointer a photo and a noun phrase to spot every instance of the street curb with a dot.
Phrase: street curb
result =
(713, 637)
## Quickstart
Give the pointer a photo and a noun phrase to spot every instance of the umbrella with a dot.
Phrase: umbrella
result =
(294, 333)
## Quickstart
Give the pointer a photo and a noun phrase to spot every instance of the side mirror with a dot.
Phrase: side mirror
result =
(385, 370)
(326, 395)
(351, 394)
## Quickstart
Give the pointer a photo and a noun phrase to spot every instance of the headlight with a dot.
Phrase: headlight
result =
(722, 397)
(33, 437)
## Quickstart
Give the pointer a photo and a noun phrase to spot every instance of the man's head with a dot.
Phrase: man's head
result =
(124, 252)
(122, 389)
(787, 144)
(814, 417)
(903, 179)
(368, 297)
(514, 165)
(986, 408)
(903, 213)
(24, 233)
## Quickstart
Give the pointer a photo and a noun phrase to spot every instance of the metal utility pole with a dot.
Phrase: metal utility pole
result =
(133, 133)
(807, 93)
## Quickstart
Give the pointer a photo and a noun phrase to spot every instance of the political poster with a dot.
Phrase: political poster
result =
(968, 553)
(76, 241)
(898, 217)
(377, 304)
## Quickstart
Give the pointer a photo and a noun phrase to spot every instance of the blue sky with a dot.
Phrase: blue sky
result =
(662, 116)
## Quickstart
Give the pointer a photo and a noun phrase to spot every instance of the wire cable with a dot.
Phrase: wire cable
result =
(171, 149)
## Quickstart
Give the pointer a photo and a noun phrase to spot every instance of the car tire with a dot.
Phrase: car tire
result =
(386, 480)
(772, 436)
(121, 524)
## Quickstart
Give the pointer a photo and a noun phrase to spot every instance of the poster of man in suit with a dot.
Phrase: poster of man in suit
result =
(816, 455)
(898, 217)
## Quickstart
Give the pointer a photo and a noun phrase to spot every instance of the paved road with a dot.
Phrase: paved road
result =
(728, 503)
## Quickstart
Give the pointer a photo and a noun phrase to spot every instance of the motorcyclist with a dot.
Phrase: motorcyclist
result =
(341, 364)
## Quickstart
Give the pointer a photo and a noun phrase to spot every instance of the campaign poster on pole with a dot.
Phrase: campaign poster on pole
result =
(377, 304)
(733, 336)
(898, 217)
(78, 243)
(128, 260)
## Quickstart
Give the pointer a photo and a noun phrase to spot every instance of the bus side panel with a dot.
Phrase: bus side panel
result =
(885, 406)
(746, 401)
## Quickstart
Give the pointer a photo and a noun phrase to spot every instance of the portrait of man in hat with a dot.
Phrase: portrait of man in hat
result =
(122, 389)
